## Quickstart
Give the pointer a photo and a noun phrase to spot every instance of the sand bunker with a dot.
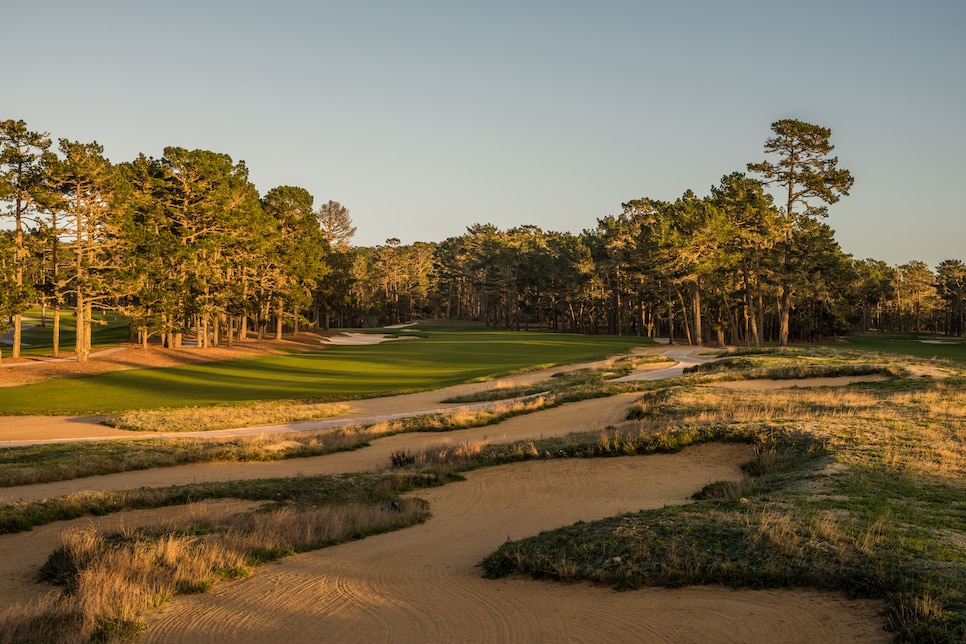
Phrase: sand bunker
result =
(363, 338)
(423, 584)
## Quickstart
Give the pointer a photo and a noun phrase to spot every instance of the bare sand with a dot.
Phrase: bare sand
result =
(423, 584)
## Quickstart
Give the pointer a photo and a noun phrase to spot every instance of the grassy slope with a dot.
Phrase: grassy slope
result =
(446, 356)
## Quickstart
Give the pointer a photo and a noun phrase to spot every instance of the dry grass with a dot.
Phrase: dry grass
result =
(920, 431)
(459, 418)
(111, 580)
(198, 419)
(465, 452)
(46, 463)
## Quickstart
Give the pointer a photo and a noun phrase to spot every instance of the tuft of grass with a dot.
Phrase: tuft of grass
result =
(111, 580)
(564, 382)
(744, 368)
(46, 463)
(198, 419)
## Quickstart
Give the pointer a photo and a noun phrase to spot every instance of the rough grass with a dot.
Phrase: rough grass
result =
(47, 463)
(199, 419)
(564, 381)
(110, 580)
(790, 367)
(861, 490)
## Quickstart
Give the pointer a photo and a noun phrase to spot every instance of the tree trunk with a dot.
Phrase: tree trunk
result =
(280, 311)
(670, 318)
(20, 253)
(687, 322)
(196, 323)
(56, 331)
(17, 330)
(732, 320)
(80, 332)
(696, 306)
(786, 306)
(88, 329)
(751, 314)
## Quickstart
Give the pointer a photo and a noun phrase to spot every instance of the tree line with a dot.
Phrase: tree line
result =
(184, 245)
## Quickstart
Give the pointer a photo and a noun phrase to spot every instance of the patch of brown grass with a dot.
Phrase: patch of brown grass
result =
(196, 419)
(443, 453)
(921, 431)
(113, 579)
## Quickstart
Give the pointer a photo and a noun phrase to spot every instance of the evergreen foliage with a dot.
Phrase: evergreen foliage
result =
(191, 254)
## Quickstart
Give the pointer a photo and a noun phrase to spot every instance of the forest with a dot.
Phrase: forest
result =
(186, 248)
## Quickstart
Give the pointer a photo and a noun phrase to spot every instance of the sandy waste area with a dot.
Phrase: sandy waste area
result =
(423, 583)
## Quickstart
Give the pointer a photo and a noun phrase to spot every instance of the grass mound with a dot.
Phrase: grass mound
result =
(198, 419)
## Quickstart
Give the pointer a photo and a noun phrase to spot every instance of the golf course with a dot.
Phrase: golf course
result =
(451, 482)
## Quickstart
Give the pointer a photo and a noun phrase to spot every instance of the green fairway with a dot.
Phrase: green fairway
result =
(446, 356)
(912, 344)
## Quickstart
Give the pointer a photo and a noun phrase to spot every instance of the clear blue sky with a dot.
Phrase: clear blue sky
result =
(424, 117)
